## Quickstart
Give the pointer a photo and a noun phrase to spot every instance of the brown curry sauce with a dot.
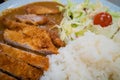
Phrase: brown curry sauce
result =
(10, 13)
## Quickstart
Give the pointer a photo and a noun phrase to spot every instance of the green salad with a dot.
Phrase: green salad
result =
(87, 16)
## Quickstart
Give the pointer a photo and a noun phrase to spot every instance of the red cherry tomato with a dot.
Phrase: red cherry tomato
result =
(104, 19)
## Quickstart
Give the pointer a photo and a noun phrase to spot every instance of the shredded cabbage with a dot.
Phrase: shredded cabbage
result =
(78, 18)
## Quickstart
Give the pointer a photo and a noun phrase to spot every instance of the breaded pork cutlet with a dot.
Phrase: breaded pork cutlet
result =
(56, 39)
(4, 76)
(30, 58)
(38, 9)
(18, 68)
(30, 37)
(32, 19)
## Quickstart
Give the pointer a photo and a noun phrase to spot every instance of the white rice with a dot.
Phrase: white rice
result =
(91, 57)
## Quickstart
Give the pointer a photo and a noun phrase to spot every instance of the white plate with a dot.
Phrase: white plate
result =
(16, 3)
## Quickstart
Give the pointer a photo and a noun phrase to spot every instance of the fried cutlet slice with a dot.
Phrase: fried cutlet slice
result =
(18, 68)
(56, 39)
(32, 19)
(4, 76)
(13, 25)
(38, 9)
(53, 33)
(28, 57)
(30, 37)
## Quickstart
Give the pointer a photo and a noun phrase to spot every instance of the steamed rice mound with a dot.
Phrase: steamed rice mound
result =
(91, 57)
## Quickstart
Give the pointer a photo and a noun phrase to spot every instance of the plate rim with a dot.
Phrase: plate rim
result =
(17, 3)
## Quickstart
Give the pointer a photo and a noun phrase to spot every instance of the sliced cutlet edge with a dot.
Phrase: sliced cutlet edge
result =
(28, 57)
(39, 10)
(29, 37)
(4, 76)
(20, 69)
(32, 19)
